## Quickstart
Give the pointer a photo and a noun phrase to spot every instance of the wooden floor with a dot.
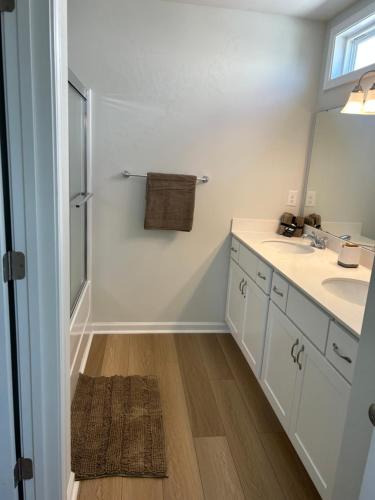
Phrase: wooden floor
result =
(223, 439)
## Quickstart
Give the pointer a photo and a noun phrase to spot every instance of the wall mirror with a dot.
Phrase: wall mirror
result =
(341, 177)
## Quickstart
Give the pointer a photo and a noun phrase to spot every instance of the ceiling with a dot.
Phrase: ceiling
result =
(312, 9)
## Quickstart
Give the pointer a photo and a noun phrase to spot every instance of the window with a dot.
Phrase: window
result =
(352, 48)
(78, 188)
(363, 49)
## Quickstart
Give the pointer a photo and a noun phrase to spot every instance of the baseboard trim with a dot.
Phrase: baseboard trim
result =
(139, 328)
(86, 353)
(73, 488)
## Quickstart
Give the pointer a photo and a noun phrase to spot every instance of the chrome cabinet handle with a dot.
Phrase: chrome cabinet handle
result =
(81, 199)
(261, 276)
(298, 356)
(234, 250)
(292, 351)
(336, 350)
(240, 285)
(244, 286)
(280, 294)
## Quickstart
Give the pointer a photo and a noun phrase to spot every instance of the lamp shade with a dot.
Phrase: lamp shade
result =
(354, 106)
(369, 105)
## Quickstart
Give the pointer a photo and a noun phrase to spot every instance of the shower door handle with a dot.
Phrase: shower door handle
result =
(81, 199)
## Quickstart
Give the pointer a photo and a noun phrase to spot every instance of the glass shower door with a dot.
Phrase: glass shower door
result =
(78, 193)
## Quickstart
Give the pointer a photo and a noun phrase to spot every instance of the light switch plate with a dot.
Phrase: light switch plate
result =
(292, 198)
(310, 199)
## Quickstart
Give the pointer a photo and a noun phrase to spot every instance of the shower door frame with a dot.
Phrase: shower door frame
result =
(85, 93)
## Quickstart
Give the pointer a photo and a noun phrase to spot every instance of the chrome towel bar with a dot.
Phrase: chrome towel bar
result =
(127, 174)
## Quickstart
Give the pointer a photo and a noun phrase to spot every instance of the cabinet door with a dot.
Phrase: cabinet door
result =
(319, 414)
(235, 301)
(254, 326)
(279, 371)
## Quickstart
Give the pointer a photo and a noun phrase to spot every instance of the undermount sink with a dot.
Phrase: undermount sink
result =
(288, 247)
(352, 290)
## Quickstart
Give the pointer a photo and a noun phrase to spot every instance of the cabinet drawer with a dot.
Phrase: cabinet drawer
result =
(311, 320)
(264, 276)
(235, 249)
(248, 261)
(342, 350)
(279, 291)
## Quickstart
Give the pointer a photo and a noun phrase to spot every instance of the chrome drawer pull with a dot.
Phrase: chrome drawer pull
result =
(244, 289)
(298, 356)
(292, 351)
(336, 350)
(262, 277)
(240, 285)
(234, 250)
(280, 294)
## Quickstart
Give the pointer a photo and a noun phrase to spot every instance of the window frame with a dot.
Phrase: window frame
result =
(340, 52)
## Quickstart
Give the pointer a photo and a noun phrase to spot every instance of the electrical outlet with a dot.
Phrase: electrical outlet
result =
(292, 198)
(310, 199)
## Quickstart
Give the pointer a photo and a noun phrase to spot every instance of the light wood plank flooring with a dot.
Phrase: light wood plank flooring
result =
(223, 439)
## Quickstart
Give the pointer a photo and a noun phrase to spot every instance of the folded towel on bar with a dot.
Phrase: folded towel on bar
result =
(170, 201)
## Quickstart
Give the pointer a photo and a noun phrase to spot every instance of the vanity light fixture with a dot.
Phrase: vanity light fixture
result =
(361, 102)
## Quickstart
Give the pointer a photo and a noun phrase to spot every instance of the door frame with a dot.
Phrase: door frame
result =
(36, 75)
(8, 453)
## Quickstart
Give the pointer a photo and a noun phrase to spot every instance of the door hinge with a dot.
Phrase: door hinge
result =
(13, 266)
(23, 470)
(7, 5)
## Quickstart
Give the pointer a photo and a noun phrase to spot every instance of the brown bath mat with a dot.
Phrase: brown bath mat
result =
(117, 428)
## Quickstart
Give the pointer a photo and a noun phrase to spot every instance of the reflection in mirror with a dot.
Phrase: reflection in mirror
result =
(341, 179)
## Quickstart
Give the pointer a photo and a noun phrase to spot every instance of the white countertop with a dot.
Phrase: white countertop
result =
(308, 271)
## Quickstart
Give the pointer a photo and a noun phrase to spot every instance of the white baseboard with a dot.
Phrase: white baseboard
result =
(86, 353)
(138, 328)
(73, 488)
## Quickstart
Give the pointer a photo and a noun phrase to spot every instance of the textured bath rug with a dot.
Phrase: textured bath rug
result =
(117, 428)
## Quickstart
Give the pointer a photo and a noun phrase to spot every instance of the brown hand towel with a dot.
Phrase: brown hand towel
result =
(170, 201)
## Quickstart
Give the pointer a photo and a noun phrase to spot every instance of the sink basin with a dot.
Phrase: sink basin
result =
(288, 247)
(351, 290)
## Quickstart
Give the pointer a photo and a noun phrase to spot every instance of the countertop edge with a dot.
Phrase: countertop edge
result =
(334, 315)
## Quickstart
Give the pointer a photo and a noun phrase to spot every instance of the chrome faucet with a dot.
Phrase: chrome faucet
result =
(316, 241)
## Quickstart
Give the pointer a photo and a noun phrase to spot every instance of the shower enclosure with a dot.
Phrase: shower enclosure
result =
(78, 193)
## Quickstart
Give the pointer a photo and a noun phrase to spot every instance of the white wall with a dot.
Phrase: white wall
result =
(188, 89)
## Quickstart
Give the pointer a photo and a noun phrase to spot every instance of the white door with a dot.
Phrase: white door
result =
(279, 372)
(368, 485)
(236, 300)
(319, 414)
(7, 426)
(254, 326)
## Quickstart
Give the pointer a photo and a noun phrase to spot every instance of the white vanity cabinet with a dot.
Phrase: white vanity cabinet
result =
(236, 300)
(304, 360)
(279, 374)
(254, 325)
(308, 395)
(247, 309)
(318, 417)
